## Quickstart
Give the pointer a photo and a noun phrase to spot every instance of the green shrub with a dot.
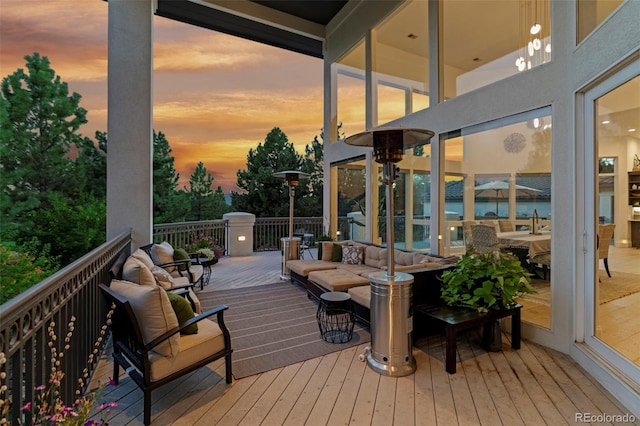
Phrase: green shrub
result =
(20, 271)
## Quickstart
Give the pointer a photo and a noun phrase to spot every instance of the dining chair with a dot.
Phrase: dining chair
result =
(484, 238)
(605, 233)
(506, 225)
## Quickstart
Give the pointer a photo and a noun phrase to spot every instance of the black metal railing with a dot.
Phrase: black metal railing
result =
(268, 231)
(25, 319)
(182, 234)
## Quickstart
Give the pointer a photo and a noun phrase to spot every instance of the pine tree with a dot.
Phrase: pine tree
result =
(266, 195)
(206, 204)
(169, 204)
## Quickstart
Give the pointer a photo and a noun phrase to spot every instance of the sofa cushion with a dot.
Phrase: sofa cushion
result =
(302, 267)
(136, 272)
(353, 255)
(406, 268)
(361, 295)
(154, 313)
(403, 258)
(375, 256)
(337, 279)
(363, 270)
(327, 250)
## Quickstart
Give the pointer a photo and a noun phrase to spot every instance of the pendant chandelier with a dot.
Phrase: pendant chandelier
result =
(535, 34)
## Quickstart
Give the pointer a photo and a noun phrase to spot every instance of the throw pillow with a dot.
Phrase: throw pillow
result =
(154, 313)
(134, 271)
(181, 254)
(163, 278)
(353, 255)
(182, 308)
(164, 254)
(336, 253)
(143, 257)
(327, 250)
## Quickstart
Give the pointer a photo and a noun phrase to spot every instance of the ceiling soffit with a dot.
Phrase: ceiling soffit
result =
(296, 25)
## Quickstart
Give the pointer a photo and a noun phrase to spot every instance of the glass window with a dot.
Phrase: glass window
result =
(497, 173)
(591, 13)
(617, 125)
(474, 55)
(350, 197)
(351, 92)
(401, 65)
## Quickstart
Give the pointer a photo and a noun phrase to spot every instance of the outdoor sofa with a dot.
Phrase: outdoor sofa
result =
(346, 265)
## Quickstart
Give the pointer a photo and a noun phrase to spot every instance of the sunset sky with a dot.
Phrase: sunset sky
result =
(215, 96)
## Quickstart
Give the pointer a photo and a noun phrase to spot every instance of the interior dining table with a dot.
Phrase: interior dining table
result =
(534, 244)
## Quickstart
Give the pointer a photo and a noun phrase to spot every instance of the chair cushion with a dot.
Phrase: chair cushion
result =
(143, 257)
(183, 311)
(163, 253)
(193, 348)
(136, 272)
(154, 313)
(353, 255)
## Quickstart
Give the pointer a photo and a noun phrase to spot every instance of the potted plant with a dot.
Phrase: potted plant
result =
(206, 246)
(485, 281)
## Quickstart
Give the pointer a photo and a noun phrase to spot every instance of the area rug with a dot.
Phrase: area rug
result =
(273, 326)
(619, 285)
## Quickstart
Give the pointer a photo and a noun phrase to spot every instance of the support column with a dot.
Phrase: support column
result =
(239, 233)
(130, 120)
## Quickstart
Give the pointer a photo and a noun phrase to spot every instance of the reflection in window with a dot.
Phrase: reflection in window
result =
(475, 57)
(499, 173)
(401, 62)
(591, 13)
(351, 200)
(351, 92)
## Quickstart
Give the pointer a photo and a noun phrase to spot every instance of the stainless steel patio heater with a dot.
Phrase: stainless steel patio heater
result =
(391, 351)
(290, 246)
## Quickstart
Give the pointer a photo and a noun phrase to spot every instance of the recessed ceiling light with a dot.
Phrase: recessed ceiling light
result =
(605, 122)
(632, 130)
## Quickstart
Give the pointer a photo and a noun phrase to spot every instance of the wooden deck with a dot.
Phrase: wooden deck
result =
(533, 385)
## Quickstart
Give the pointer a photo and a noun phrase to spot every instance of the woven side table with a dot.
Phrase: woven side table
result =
(336, 317)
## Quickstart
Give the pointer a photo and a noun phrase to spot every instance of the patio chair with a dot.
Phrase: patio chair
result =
(468, 237)
(543, 260)
(308, 240)
(139, 269)
(164, 255)
(605, 233)
(484, 238)
(148, 342)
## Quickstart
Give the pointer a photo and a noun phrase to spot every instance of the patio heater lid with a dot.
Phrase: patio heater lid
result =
(389, 142)
(291, 176)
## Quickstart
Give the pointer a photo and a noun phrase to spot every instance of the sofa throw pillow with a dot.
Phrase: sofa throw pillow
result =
(154, 313)
(353, 255)
(181, 254)
(336, 253)
(182, 308)
(163, 277)
(143, 257)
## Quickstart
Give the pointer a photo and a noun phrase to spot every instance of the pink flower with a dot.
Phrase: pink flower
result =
(26, 407)
(112, 382)
(41, 387)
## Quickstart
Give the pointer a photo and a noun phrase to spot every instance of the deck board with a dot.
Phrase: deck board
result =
(534, 385)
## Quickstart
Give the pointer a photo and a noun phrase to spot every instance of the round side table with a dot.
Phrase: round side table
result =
(336, 317)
